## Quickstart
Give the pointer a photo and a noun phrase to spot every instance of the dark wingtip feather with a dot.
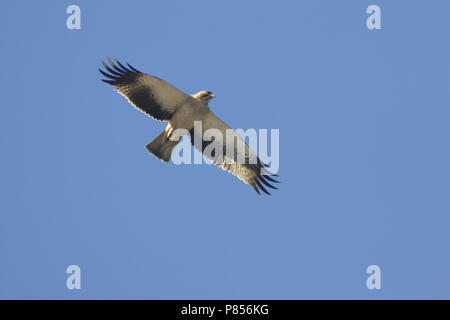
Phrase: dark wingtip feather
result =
(111, 82)
(268, 177)
(263, 180)
(116, 71)
(261, 187)
(116, 67)
(113, 71)
(122, 66)
(132, 68)
(256, 189)
(109, 75)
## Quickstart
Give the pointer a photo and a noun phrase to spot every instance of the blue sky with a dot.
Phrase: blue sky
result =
(364, 157)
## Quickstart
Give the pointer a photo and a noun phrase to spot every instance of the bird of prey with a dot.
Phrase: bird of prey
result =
(163, 102)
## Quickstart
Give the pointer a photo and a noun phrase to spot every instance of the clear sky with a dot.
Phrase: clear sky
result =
(364, 151)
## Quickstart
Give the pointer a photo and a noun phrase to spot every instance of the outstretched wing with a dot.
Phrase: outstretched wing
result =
(151, 95)
(242, 162)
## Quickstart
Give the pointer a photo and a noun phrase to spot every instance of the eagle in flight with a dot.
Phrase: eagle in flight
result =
(163, 102)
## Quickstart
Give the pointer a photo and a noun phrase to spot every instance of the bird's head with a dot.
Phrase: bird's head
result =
(204, 96)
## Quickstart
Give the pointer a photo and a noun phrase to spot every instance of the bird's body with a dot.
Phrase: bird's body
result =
(163, 102)
(187, 113)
